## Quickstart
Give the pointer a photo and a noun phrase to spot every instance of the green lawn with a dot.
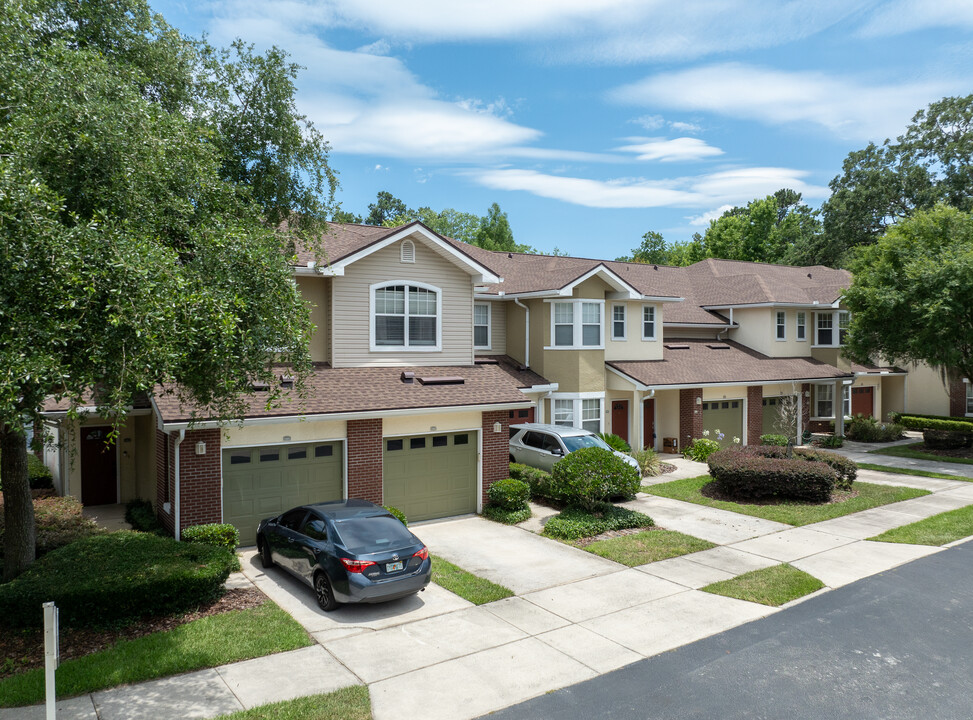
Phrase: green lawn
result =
(647, 546)
(772, 586)
(792, 512)
(909, 452)
(350, 703)
(912, 471)
(203, 643)
(465, 584)
(936, 530)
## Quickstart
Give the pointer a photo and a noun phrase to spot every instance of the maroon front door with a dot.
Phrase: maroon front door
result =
(620, 419)
(861, 401)
(648, 424)
(99, 476)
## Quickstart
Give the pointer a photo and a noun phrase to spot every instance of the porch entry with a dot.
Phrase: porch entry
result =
(648, 424)
(862, 401)
(99, 467)
(620, 419)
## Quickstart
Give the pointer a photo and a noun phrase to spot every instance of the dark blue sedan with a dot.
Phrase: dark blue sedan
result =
(348, 551)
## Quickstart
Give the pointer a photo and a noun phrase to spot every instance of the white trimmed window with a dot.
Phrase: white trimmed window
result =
(781, 333)
(618, 322)
(969, 398)
(648, 322)
(564, 412)
(481, 326)
(591, 414)
(846, 400)
(824, 401)
(844, 319)
(405, 315)
(825, 329)
(577, 324)
(581, 410)
(801, 325)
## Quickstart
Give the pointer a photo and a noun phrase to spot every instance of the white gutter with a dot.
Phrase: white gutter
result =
(182, 436)
(526, 331)
(744, 383)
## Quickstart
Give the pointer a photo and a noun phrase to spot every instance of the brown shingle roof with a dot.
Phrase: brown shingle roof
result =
(699, 362)
(524, 377)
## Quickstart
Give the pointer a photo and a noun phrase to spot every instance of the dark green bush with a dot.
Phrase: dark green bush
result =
(830, 441)
(396, 513)
(946, 439)
(538, 480)
(59, 522)
(575, 523)
(752, 476)
(845, 470)
(38, 475)
(615, 442)
(115, 579)
(505, 516)
(590, 475)
(936, 422)
(863, 428)
(772, 439)
(509, 494)
(221, 535)
(140, 515)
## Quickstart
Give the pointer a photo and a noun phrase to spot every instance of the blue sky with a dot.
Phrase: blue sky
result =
(593, 122)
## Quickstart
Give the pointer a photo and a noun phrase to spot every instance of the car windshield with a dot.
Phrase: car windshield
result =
(576, 442)
(365, 535)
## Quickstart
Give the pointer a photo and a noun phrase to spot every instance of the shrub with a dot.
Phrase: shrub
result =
(749, 475)
(845, 470)
(615, 442)
(589, 475)
(38, 475)
(505, 516)
(221, 535)
(114, 579)
(648, 461)
(830, 441)
(509, 494)
(946, 439)
(538, 480)
(772, 439)
(936, 422)
(575, 523)
(59, 522)
(398, 514)
(140, 515)
(863, 428)
(701, 448)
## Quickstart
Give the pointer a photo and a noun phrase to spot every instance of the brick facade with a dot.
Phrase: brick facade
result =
(957, 397)
(755, 414)
(200, 480)
(690, 415)
(365, 460)
(164, 490)
(496, 449)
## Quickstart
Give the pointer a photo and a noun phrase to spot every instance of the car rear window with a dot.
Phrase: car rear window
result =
(372, 534)
(576, 442)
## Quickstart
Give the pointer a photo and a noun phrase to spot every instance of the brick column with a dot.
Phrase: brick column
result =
(200, 482)
(957, 397)
(690, 416)
(805, 407)
(495, 457)
(365, 460)
(755, 413)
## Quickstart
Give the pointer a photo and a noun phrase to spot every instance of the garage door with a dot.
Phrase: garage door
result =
(725, 416)
(778, 410)
(431, 476)
(261, 482)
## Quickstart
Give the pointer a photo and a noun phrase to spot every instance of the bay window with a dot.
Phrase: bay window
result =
(576, 324)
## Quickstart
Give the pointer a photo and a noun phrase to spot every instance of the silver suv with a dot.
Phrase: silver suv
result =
(540, 445)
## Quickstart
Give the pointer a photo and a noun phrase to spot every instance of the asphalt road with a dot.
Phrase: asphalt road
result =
(895, 645)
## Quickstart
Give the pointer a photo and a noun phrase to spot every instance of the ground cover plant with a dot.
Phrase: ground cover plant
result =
(937, 530)
(646, 546)
(772, 586)
(465, 584)
(574, 522)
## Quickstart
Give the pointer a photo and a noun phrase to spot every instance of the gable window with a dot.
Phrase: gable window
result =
(481, 325)
(576, 324)
(801, 325)
(781, 325)
(844, 318)
(824, 400)
(648, 322)
(405, 316)
(825, 329)
(618, 322)
(564, 412)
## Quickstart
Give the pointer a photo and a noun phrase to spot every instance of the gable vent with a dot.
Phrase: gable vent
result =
(677, 347)
(407, 251)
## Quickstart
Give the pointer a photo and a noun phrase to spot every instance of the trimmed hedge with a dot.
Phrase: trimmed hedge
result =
(862, 428)
(221, 535)
(141, 516)
(116, 578)
(505, 516)
(509, 494)
(772, 439)
(59, 522)
(589, 475)
(575, 523)
(946, 439)
(845, 470)
(754, 476)
(537, 480)
(931, 422)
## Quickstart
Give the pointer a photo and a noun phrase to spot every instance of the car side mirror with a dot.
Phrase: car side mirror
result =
(557, 451)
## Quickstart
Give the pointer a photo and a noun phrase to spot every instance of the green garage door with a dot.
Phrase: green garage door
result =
(431, 476)
(725, 416)
(261, 482)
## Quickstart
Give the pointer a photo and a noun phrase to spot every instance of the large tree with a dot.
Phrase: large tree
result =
(912, 295)
(140, 222)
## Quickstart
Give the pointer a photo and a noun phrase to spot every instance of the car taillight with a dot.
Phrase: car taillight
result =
(356, 566)
(422, 554)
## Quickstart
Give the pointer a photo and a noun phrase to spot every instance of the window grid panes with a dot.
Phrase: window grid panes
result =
(824, 399)
(401, 324)
(481, 325)
(969, 398)
(564, 412)
(846, 400)
(648, 323)
(564, 324)
(591, 415)
(801, 326)
(844, 318)
(825, 329)
(781, 325)
(590, 324)
(618, 322)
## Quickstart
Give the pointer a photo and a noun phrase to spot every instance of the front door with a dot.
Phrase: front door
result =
(861, 401)
(99, 468)
(620, 419)
(648, 424)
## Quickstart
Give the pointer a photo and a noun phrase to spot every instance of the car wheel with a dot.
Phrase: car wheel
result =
(513, 459)
(322, 589)
(265, 557)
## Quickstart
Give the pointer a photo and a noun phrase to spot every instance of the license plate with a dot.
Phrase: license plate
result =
(394, 567)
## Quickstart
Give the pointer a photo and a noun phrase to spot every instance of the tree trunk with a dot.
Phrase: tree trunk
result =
(18, 505)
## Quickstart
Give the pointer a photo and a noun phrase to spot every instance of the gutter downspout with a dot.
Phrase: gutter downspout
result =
(526, 331)
(182, 436)
(726, 329)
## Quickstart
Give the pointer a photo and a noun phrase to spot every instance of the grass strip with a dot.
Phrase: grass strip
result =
(788, 512)
(465, 584)
(350, 703)
(204, 643)
(908, 451)
(772, 586)
(912, 471)
(946, 527)
(647, 547)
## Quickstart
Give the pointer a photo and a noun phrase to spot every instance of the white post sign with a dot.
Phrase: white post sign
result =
(52, 656)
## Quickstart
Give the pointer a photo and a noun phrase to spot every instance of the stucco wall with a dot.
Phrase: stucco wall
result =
(315, 291)
(925, 393)
(633, 347)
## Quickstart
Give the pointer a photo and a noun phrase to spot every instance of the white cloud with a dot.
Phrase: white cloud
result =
(904, 16)
(709, 215)
(650, 122)
(848, 108)
(677, 150)
(727, 187)
(685, 127)
(379, 47)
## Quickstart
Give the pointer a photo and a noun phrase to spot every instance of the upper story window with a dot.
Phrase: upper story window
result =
(577, 324)
(969, 398)
(648, 322)
(825, 329)
(844, 318)
(618, 322)
(781, 333)
(801, 325)
(405, 316)
(481, 325)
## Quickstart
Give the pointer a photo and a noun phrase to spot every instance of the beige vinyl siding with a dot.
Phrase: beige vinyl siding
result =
(498, 328)
(351, 321)
(314, 290)
(514, 319)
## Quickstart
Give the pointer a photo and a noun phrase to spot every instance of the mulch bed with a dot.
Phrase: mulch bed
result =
(709, 490)
(965, 453)
(24, 650)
